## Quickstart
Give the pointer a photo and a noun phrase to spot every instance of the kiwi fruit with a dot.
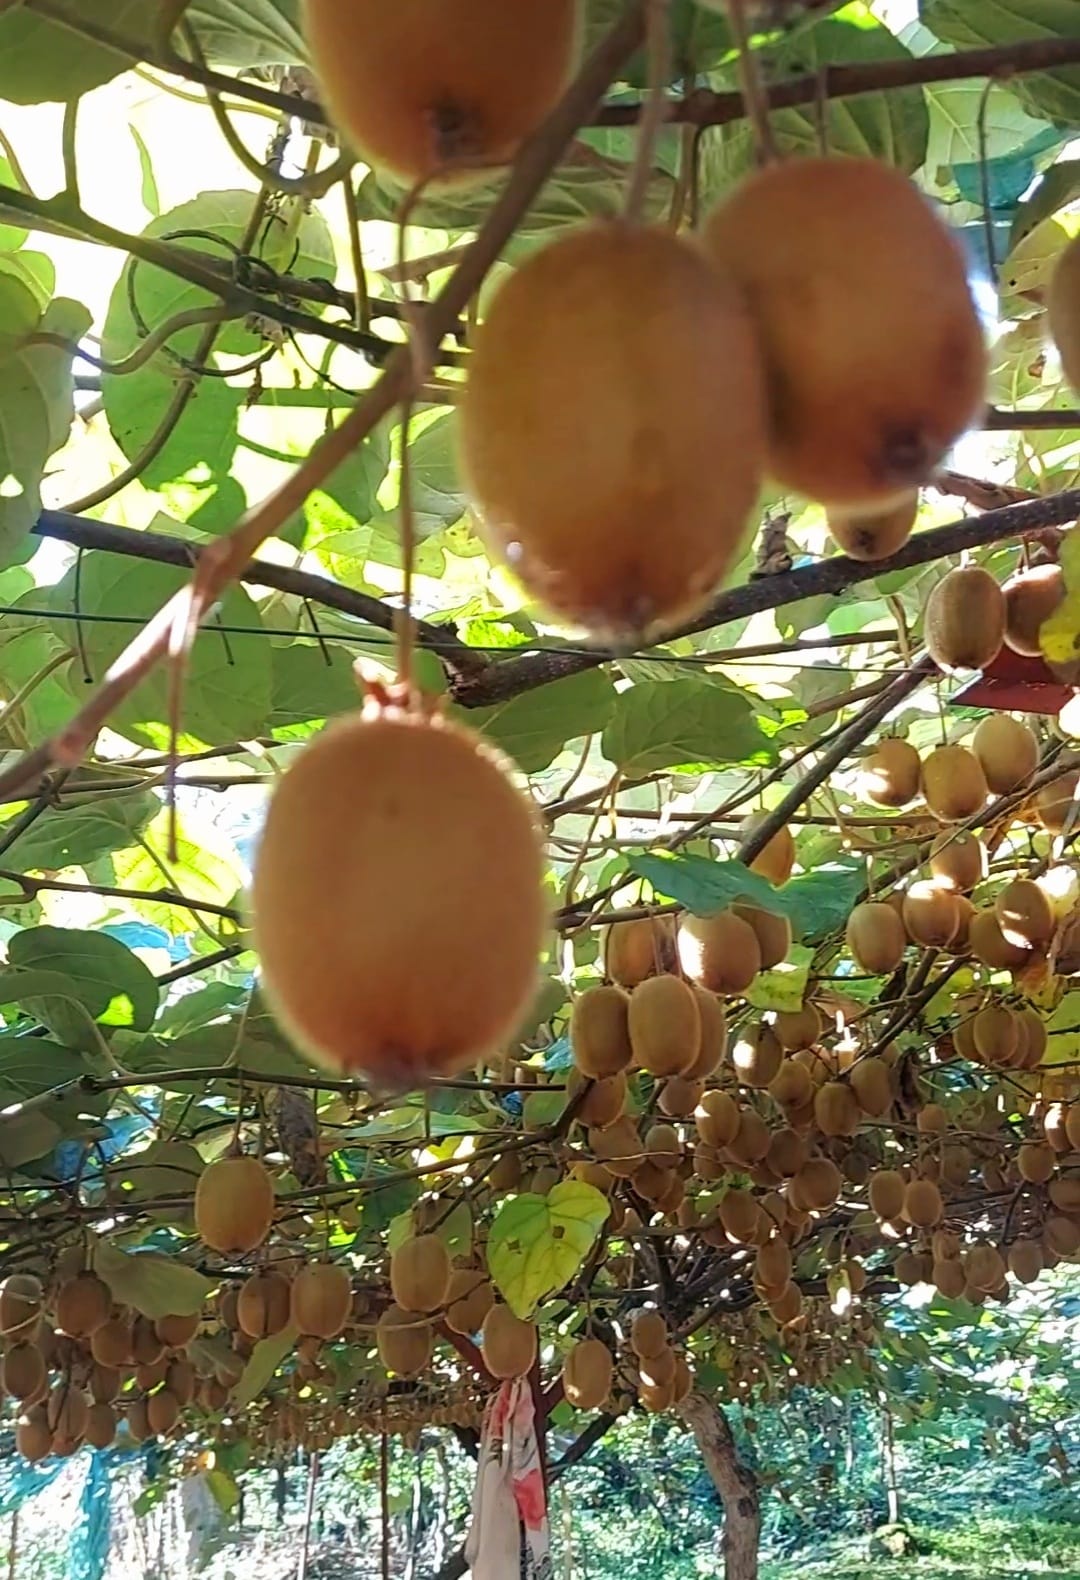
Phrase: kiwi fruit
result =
(871, 535)
(663, 1147)
(750, 1142)
(1025, 1260)
(24, 1373)
(713, 1035)
(468, 1300)
(680, 1096)
(887, 1190)
(1008, 751)
(948, 1278)
(792, 1086)
(21, 1301)
(383, 949)
(891, 774)
(648, 1334)
(162, 1412)
(264, 1305)
(1024, 914)
(720, 952)
(787, 1305)
(773, 1263)
(420, 1274)
(180, 1380)
(33, 1435)
(1030, 598)
(923, 1206)
(421, 95)
(658, 1371)
(587, 1374)
(110, 1345)
(1055, 803)
(819, 1182)
(146, 1347)
(984, 1267)
(1033, 1041)
(757, 1055)
(958, 860)
(83, 1304)
(100, 1425)
(67, 1409)
(717, 1119)
(176, 1332)
(639, 948)
(799, 1028)
(996, 1034)
(1036, 1162)
(876, 937)
(509, 1345)
(600, 1031)
(773, 932)
(739, 1214)
(777, 858)
(604, 1101)
(871, 1082)
(321, 1300)
(873, 348)
(953, 783)
(931, 915)
(964, 622)
(665, 1026)
(625, 333)
(836, 1109)
(990, 946)
(404, 1342)
(234, 1205)
(618, 1147)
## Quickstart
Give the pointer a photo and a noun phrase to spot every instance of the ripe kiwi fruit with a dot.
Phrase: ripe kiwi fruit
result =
(618, 1147)
(887, 1189)
(958, 860)
(931, 915)
(777, 859)
(773, 932)
(1024, 913)
(870, 535)
(648, 1334)
(792, 1086)
(404, 1342)
(625, 333)
(33, 1435)
(996, 1034)
(873, 348)
(383, 949)
(891, 774)
(1008, 751)
(964, 623)
(600, 1031)
(100, 1425)
(788, 1304)
(24, 1373)
(468, 1300)
(321, 1300)
(264, 1305)
(773, 1263)
(923, 1206)
(720, 952)
(876, 937)
(680, 1096)
(21, 1300)
(1030, 598)
(984, 1267)
(421, 92)
(509, 1344)
(989, 945)
(176, 1332)
(604, 1101)
(420, 1273)
(83, 1304)
(948, 1277)
(799, 1028)
(717, 1119)
(162, 1412)
(1063, 309)
(757, 1055)
(739, 1214)
(639, 948)
(953, 782)
(750, 1142)
(713, 1035)
(234, 1205)
(588, 1372)
(1026, 1260)
(665, 1026)
(836, 1109)
(1055, 802)
(110, 1345)
(819, 1182)
(1036, 1162)
(663, 1147)
(871, 1081)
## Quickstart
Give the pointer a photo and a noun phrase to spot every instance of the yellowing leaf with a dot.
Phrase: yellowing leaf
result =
(538, 1243)
(1059, 636)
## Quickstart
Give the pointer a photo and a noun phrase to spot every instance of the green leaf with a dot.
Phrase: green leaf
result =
(534, 727)
(223, 1488)
(893, 126)
(306, 688)
(1059, 635)
(24, 1138)
(151, 198)
(538, 1243)
(264, 1361)
(250, 32)
(968, 24)
(36, 402)
(228, 682)
(78, 834)
(683, 724)
(155, 1285)
(112, 982)
(11, 235)
(1059, 187)
(42, 61)
(815, 904)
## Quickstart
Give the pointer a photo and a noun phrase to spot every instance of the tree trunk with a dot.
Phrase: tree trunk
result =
(892, 1485)
(736, 1484)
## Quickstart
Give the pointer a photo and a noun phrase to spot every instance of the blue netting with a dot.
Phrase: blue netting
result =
(88, 1550)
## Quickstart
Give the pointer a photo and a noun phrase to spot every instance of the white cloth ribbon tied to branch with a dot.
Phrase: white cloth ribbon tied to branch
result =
(509, 1538)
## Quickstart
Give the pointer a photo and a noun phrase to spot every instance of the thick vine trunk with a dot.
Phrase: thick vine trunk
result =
(735, 1483)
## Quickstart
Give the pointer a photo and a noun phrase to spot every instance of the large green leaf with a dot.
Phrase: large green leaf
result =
(815, 904)
(36, 399)
(534, 727)
(683, 724)
(26, 1137)
(892, 126)
(153, 1284)
(42, 60)
(967, 24)
(78, 834)
(264, 1361)
(229, 677)
(250, 32)
(112, 983)
(538, 1243)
